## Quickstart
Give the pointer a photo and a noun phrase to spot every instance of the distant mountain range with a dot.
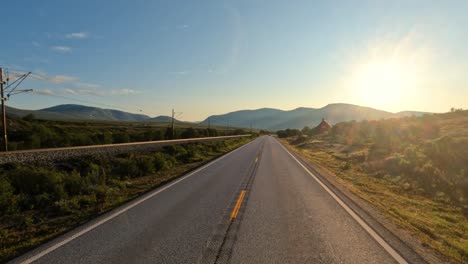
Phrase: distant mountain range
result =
(274, 119)
(81, 112)
(264, 118)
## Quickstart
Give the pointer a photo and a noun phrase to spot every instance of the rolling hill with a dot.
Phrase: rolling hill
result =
(274, 119)
(264, 118)
(161, 118)
(78, 112)
(94, 113)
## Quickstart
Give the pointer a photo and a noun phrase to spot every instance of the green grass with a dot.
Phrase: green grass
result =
(38, 206)
(32, 134)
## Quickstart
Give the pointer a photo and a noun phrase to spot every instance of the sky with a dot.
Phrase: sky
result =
(212, 57)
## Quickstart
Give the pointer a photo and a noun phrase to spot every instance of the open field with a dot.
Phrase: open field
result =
(413, 170)
(39, 202)
(25, 133)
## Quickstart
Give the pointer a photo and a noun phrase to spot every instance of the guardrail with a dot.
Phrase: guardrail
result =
(54, 154)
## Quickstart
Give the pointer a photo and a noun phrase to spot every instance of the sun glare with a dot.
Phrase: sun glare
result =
(383, 82)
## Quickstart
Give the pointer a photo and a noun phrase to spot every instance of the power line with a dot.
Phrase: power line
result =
(13, 91)
(43, 77)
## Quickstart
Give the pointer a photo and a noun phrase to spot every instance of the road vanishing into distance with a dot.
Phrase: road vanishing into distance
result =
(257, 204)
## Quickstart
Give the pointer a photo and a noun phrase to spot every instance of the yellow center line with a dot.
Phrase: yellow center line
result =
(235, 211)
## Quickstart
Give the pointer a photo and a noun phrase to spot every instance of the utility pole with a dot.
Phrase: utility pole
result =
(174, 116)
(4, 123)
(172, 126)
(11, 91)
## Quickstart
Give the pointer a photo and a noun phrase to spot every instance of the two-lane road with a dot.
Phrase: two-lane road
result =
(283, 216)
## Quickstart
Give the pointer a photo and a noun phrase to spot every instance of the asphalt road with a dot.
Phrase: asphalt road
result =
(254, 205)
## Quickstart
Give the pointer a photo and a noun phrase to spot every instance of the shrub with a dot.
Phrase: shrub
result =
(37, 181)
(6, 195)
(145, 164)
(189, 133)
(101, 194)
(81, 140)
(92, 171)
(121, 137)
(300, 139)
(160, 161)
(125, 167)
(288, 133)
(66, 206)
(73, 183)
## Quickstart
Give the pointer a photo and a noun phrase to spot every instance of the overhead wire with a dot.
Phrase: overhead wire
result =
(41, 77)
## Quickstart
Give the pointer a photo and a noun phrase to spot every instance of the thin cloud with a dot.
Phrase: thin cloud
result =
(56, 79)
(44, 92)
(99, 92)
(70, 91)
(124, 92)
(61, 49)
(184, 26)
(180, 72)
(90, 92)
(87, 88)
(60, 79)
(35, 44)
(77, 87)
(87, 85)
(77, 35)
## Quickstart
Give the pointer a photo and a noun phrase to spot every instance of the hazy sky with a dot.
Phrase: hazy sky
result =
(211, 57)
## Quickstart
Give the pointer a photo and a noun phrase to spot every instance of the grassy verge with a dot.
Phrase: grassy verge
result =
(39, 202)
(417, 182)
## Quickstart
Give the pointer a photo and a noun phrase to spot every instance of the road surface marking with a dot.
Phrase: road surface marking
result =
(358, 219)
(238, 205)
(129, 206)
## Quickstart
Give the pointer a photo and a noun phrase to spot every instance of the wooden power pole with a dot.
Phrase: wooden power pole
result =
(172, 126)
(4, 123)
(11, 91)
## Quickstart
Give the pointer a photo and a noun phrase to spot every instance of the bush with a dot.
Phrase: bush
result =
(299, 139)
(125, 167)
(37, 181)
(288, 133)
(6, 195)
(189, 133)
(146, 165)
(66, 206)
(160, 161)
(121, 137)
(73, 183)
(101, 193)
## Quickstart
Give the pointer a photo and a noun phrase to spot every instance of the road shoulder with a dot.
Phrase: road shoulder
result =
(401, 240)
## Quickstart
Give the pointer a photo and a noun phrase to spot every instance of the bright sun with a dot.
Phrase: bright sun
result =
(383, 82)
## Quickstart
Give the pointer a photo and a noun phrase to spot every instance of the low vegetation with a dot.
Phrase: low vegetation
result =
(38, 202)
(29, 133)
(413, 169)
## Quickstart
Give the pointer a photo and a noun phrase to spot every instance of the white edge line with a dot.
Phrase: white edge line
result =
(358, 219)
(123, 210)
